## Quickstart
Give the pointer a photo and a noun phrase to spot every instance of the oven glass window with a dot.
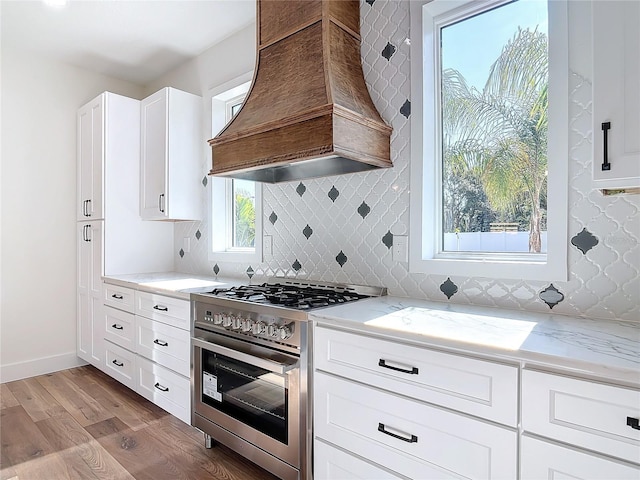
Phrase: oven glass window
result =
(252, 395)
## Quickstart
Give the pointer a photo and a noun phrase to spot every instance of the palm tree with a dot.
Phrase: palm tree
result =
(500, 134)
(245, 221)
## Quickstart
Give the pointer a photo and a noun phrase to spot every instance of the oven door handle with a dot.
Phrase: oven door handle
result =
(267, 364)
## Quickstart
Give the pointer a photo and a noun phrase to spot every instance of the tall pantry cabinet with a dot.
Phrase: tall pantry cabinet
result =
(112, 238)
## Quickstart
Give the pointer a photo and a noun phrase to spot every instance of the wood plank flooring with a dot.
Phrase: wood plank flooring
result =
(81, 424)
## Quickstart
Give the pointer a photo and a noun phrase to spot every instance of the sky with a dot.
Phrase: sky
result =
(472, 53)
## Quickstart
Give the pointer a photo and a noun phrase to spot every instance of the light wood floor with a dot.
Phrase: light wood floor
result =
(81, 424)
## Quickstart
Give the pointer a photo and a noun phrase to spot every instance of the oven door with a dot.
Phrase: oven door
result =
(249, 390)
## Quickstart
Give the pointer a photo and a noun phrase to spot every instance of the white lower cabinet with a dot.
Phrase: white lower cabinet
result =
(543, 460)
(333, 463)
(370, 424)
(165, 388)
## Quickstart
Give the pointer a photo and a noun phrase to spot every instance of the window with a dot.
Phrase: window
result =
(489, 138)
(236, 207)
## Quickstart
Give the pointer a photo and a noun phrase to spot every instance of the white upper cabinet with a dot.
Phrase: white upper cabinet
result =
(616, 94)
(90, 161)
(170, 156)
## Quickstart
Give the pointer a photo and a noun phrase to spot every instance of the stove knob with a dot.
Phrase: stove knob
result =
(217, 319)
(272, 330)
(285, 332)
(226, 320)
(236, 323)
(247, 325)
(259, 328)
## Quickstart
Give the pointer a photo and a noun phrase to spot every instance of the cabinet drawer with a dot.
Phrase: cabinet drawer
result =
(541, 459)
(120, 328)
(478, 387)
(165, 388)
(332, 463)
(411, 438)
(169, 346)
(120, 364)
(172, 311)
(119, 297)
(582, 413)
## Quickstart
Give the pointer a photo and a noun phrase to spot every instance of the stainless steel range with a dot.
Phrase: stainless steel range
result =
(251, 368)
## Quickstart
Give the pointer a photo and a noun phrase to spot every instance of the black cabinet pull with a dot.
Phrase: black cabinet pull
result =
(161, 308)
(118, 364)
(161, 202)
(161, 388)
(161, 343)
(88, 209)
(411, 439)
(633, 423)
(605, 164)
(383, 363)
(117, 297)
(117, 327)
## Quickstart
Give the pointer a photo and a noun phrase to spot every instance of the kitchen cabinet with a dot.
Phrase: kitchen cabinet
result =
(112, 238)
(163, 346)
(616, 97)
(370, 401)
(171, 151)
(596, 417)
(89, 292)
(90, 121)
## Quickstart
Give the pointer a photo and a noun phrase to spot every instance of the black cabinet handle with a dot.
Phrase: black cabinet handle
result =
(85, 233)
(117, 297)
(88, 209)
(118, 364)
(411, 439)
(161, 388)
(633, 423)
(117, 327)
(161, 202)
(605, 164)
(161, 343)
(383, 363)
(160, 308)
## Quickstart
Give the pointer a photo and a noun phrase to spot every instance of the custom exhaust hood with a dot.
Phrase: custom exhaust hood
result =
(308, 112)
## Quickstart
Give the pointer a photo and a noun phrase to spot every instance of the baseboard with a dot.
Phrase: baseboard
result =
(39, 366)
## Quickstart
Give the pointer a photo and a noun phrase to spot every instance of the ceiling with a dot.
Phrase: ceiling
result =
(134, 40)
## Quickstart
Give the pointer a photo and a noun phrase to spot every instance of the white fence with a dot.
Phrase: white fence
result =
(490, 242)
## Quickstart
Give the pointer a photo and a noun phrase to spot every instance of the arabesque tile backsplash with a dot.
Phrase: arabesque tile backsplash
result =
(340, 229)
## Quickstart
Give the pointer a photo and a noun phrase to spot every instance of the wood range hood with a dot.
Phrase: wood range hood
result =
(308, 112)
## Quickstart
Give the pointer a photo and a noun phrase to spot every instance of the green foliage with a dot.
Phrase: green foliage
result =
(245, 220)
(499, 137)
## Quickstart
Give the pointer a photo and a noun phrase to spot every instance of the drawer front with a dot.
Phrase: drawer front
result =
(331, 463)
(169, 346)
(172, 311)
(544, 460)
(481, 388)
(120, 328)
(582, 413)
(120, 364)
(165, 388)
(414, 439)
(119, 297)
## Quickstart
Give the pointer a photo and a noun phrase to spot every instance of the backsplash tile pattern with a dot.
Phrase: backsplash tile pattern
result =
(604, 279)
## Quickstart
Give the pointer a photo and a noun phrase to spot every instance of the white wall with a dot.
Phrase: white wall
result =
(38, 193)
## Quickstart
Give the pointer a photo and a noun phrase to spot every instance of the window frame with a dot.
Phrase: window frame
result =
(425, 219)
(220, 189)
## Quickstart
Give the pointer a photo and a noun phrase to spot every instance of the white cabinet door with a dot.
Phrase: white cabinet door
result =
(90, 328)
(90, 160)
(331, 463)
(616, 93)
(542, 460)
(154, 167)
(171, 149)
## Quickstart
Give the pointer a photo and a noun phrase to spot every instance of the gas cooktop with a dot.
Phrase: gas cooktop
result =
(296, 294)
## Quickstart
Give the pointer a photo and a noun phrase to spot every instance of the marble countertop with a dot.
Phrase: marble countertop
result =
(609, 350)
(172, 284)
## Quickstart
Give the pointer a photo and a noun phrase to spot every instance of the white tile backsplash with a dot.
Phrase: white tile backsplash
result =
(603, 283)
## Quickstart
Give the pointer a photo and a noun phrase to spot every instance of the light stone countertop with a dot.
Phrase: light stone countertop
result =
(172, 284)
(608, 350)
